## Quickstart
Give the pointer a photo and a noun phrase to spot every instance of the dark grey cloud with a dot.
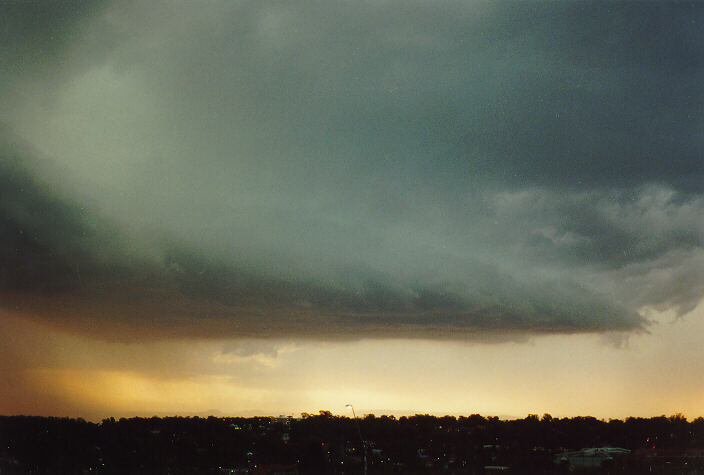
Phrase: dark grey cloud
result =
(356, 169)
(61, 262)
(574, 94)
(644, 245)
(35, 35)
(610, 230)
(42, 237)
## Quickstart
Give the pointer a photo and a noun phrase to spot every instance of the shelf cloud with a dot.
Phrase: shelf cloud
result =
(477, 171)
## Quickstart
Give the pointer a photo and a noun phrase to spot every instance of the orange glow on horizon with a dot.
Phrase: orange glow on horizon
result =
(60, 373)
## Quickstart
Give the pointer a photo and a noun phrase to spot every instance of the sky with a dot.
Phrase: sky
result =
(263, 208)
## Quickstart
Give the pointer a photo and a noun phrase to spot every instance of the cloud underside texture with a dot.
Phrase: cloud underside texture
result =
(351, 170)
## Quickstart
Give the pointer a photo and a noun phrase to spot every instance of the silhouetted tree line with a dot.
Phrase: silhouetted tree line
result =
(325, 443)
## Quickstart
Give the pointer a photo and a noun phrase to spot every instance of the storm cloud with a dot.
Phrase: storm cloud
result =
(464, 170)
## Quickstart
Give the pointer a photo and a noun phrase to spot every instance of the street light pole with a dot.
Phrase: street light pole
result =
(361, 439)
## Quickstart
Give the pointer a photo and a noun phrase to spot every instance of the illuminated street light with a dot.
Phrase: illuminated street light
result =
(359, 429)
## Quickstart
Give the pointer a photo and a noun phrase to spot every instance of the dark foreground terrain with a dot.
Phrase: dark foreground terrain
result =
(328, 444)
